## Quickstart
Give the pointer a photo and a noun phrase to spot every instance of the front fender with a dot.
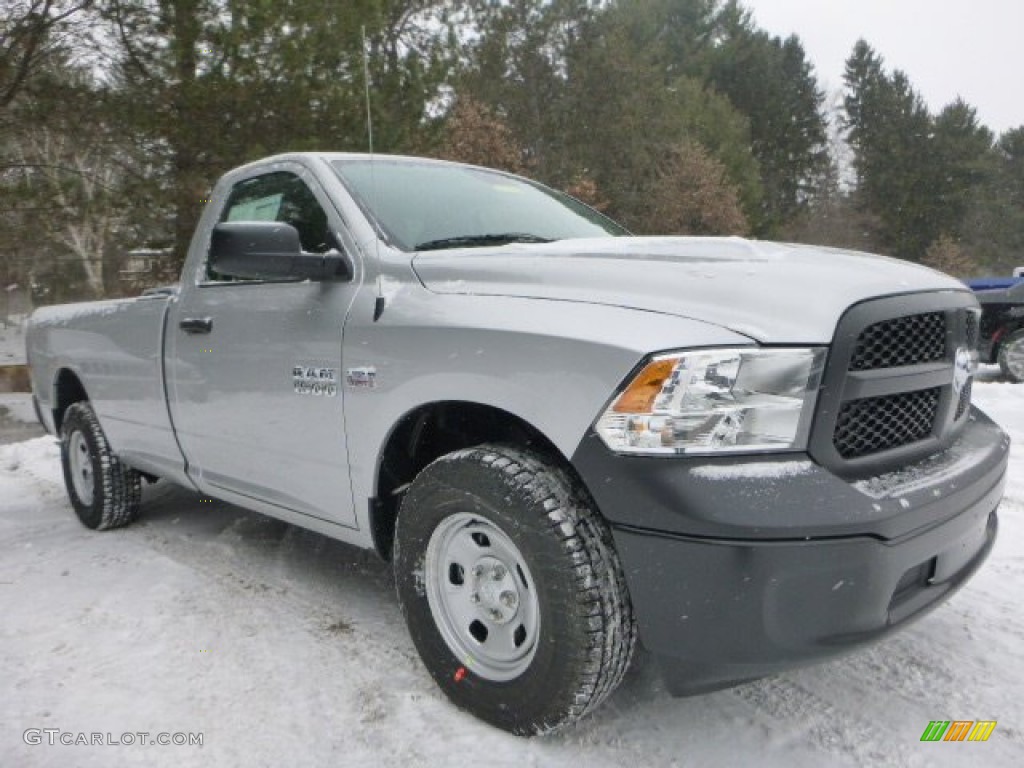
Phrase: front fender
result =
(551, 364)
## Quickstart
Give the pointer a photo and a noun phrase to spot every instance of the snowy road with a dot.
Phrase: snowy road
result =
(284, 648)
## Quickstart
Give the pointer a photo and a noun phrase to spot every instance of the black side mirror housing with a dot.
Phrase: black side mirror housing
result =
(271, 250)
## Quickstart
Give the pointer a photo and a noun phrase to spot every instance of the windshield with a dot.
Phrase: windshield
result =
(426, 206)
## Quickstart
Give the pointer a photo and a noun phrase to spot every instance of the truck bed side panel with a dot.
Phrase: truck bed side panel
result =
(115, 348)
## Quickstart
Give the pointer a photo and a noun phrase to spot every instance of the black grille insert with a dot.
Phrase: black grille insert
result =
(879, 423)
(908, 340)
(971, 330)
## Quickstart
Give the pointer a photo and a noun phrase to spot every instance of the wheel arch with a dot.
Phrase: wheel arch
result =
(431, 430)
(67, 390)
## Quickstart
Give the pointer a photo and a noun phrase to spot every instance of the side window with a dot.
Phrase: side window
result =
(280, 196)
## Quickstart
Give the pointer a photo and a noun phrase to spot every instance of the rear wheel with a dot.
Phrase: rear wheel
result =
(1011, 356)
(512, 590)
(104, 492)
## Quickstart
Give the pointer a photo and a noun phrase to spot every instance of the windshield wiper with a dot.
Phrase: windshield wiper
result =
(469, 241)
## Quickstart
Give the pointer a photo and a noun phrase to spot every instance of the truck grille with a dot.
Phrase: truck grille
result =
(972, 330)
(879, 423)
(907, 340)
(891, 393)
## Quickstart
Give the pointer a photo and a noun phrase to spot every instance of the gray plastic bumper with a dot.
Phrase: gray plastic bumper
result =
(821, 565)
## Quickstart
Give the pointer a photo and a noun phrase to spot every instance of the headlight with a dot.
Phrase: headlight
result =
(716, 401)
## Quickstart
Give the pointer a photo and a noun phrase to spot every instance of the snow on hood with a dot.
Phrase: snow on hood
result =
(770, 292)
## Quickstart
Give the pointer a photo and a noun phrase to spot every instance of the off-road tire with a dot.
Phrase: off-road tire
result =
(1011, 350)
(587, 631)
(116, 488)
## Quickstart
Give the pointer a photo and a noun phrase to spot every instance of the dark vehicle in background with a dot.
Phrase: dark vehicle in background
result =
(1002, 322)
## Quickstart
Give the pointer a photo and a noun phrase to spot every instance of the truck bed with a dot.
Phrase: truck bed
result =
(117, 348)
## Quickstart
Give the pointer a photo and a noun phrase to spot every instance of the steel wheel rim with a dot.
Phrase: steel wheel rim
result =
(1015, 358)
(482, 597)
(81, 468)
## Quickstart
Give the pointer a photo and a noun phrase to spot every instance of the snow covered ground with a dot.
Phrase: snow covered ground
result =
(284, 648)
(17, 418)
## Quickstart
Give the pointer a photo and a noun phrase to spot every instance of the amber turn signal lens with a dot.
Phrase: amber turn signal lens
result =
(639, 396)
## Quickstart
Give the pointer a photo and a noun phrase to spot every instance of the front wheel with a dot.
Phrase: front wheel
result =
(512, 589)
(1011, 356)
(104, 492)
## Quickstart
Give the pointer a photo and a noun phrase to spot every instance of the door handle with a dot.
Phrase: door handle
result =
(196, 324)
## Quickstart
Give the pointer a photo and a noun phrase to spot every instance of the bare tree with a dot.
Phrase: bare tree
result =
(947, 255)
(692, 195)
(28, 35)
(79, 182)
(475, 134)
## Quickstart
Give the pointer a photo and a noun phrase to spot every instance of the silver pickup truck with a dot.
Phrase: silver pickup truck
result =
(747, 455)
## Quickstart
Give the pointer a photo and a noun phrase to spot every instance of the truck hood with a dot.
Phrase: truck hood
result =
(769, 292)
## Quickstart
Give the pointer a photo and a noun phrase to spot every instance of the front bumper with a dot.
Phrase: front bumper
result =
(740, 567)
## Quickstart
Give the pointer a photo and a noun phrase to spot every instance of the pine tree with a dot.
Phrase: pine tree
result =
(920, 175)
(630, 114)
(516, 64)
(889, 129)
(994, 224)
(207, 84)
(770, 81)
(961, 162)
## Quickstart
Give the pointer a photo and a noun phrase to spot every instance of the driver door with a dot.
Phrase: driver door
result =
(254, 367)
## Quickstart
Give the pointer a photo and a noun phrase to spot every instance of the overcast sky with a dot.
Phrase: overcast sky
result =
(970, 48)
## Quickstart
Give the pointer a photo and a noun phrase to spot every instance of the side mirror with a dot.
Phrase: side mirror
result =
(271, 250)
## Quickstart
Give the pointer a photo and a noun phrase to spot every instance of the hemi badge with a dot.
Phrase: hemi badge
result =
(361, 378)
